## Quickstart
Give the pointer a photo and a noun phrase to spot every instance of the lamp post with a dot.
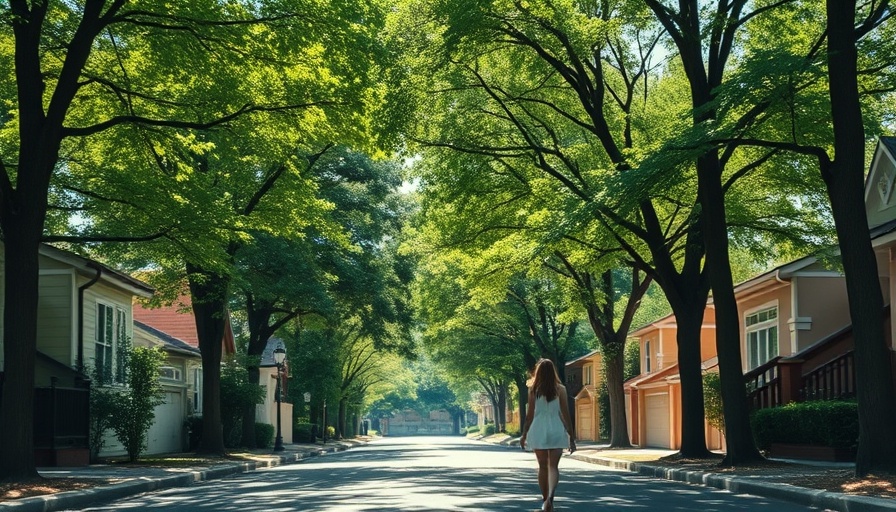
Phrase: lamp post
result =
(279, 357)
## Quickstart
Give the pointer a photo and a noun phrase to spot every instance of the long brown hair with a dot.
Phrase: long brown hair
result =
(545, 379)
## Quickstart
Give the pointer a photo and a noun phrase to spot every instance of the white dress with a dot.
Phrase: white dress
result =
(547, 431)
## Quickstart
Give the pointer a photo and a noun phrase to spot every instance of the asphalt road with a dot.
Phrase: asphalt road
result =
(439, 473)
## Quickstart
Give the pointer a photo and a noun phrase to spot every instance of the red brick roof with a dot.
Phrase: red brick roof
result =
(178, 322)
(170, 320)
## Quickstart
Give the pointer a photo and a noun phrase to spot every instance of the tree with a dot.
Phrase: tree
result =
(133, 408)
(76, 77)
(248, 176)
(545, 143)
(841, 71)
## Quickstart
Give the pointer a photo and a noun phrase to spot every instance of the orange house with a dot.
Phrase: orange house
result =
(585, 411)
(795, 329)
(653, 398)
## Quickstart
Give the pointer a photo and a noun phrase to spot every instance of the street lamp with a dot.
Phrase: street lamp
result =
(279, 357)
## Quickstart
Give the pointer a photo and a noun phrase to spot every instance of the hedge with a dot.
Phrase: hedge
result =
(833, 423)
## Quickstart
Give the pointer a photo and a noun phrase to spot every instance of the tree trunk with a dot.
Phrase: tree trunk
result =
(22, 216)
(741, 447)
(501, 412)
(21, 271)
(689, 318)
(340, 419)
(209, 295)
(259, 319)
(844, 180)
(614, 368)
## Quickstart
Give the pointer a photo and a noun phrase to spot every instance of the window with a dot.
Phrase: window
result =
(586, 375)
(762, 336)
(197, 391)
(647, 356)
(170, 373)
(112, 344)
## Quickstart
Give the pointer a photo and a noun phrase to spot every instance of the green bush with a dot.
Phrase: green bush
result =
(264, 435)
(331, 432)
(489, 429)
(193, 425)
(237, 393)
(712, 400)
(832, 423)
(301, 432)
(135, 405)
(472, 429)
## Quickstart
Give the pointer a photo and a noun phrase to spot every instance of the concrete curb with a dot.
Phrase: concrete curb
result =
(82, 498)
(740, 485)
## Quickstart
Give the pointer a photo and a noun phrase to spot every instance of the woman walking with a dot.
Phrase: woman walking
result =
(548, 428)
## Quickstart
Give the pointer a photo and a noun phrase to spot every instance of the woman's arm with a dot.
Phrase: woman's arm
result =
(564, 415)
(530, 413)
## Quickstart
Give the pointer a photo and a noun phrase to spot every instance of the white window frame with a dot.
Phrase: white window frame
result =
(762, 335)
(104, 343)
(172, 373)
(197, 390)
(586, 375)
(646, 356)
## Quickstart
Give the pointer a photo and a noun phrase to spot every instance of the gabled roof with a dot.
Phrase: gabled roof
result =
(586, 391)
(581, 358)
(177, 321)
(890, 144)
(267, 357)
(91, 268)
(171, 320)
(170, 342)
(640, 380)
(664, 322)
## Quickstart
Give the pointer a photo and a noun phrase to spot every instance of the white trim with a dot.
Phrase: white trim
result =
(760, 326)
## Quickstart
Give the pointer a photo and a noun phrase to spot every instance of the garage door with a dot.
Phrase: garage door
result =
(657, 419)
(166, 433)
(584, 420)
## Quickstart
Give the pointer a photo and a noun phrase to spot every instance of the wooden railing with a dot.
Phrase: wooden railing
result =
(764, 385)
(776, 383)
(833, 380)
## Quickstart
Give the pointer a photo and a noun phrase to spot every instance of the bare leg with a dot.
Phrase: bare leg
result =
(543, 458)
(553, 475)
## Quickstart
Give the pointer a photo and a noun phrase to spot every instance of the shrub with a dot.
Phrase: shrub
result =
(512, 428)
(102, 409)
(331, 432)
(264, 435)
(193, 425)
(237, 393)
(489, 429)
(302, 432)
(472, 429)
(827, 423)
(712, 400)
(135, 405)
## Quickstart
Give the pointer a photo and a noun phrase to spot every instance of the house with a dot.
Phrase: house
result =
(583, 380)
(84, 314)
(266, 412)
(653, 398)
(178, 379)
(176, 322)
(796, 337)
(409, 422)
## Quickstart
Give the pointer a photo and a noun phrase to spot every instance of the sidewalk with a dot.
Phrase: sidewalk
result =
(131, 480)
(646, 462)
